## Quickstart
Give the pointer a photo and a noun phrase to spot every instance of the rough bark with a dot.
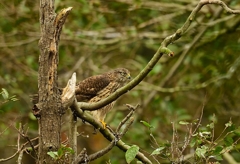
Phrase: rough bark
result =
(49, 108)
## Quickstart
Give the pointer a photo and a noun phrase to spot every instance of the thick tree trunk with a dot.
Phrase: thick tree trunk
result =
(49, 98)
(49, 107)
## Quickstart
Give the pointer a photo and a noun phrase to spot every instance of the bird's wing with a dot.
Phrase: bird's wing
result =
(88, 88)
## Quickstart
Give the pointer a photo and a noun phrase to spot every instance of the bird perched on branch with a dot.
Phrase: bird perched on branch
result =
(98, 87)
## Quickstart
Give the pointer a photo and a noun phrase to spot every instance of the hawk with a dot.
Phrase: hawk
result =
(98, 87)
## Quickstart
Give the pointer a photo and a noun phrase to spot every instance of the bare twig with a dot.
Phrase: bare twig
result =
(19, 43)
(186, 51)
(199, 120)
(113, 142)
(21, 148)
(6, 159)
(106, 132)
(127, 117)
(28, 140)
(73, 136)
(221, 3)
(228, 75)
(20, 156)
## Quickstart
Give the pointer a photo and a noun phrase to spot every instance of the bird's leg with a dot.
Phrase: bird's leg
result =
(104, 124)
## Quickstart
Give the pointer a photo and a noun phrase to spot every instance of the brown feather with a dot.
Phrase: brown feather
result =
(96, 88)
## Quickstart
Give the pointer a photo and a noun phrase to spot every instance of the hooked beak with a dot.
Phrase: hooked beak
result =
(129, 77)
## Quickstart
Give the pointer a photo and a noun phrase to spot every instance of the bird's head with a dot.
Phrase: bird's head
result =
(121, 75)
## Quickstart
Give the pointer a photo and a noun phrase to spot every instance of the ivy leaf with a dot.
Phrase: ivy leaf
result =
(131, 153)
(157, 151)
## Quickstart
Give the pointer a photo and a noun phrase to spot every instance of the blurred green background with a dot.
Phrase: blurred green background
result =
(100, 35)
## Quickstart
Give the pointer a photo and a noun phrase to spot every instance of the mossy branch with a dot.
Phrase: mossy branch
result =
(109, 134)
(160, 52)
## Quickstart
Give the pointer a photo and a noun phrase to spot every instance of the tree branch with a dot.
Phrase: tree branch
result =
(160, 52)
(68, 93)
(184, 53)
(114, 141)
(228, 75)
(106, 132)
(50, 107)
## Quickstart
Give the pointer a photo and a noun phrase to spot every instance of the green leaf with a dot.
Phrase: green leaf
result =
(228, 124)
(69, 150)
(205, 133)
(193, 142)
(237, 131)
(183, 122)
(211, 125)
(200, 152)
(29, 149)
(131, 153)
(53, 154)
(228, 141)
(218, 157)
(146, 124)
(5, 94)
(213, 118)
(157, 151)
(13, 98)
(60, 152)
(218, 150)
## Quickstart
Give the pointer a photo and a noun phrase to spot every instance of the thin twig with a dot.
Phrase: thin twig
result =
(106, 132)
(118, 136)
(28, 140)
(20, 156)
(112, 144)
(128, 116)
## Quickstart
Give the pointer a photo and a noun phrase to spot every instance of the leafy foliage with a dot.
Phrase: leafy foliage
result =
(131, 153)
(62, 154)
(100, 35)
(6, 97)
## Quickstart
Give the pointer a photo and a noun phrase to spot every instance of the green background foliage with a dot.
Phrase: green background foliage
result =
(101, 35)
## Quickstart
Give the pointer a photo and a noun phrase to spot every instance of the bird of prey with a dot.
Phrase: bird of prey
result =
(98, 87)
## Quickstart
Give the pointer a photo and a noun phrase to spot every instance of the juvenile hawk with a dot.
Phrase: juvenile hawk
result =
(98, 87)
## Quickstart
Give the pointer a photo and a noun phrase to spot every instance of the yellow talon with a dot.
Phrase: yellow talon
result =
(103, 124)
